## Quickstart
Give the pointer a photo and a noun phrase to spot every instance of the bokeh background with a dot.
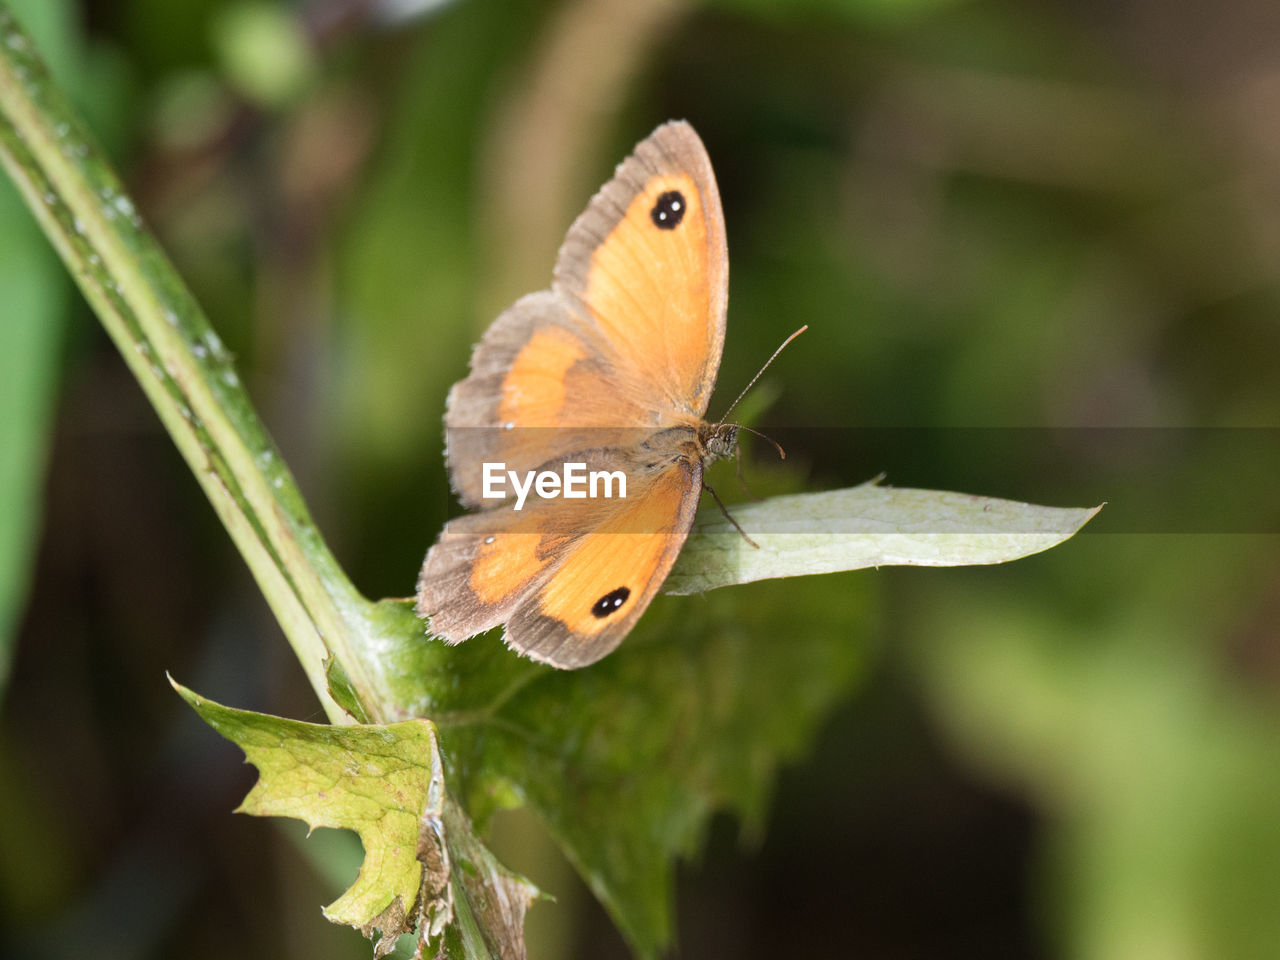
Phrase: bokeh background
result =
(1012, 228)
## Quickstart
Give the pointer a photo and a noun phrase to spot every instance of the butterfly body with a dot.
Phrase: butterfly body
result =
(610, 368)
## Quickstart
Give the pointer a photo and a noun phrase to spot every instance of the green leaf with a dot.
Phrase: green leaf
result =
(386, 783)
(625, 761)
(865, 526)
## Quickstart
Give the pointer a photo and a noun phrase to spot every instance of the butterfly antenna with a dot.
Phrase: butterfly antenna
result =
(782, 454)
(757, 377)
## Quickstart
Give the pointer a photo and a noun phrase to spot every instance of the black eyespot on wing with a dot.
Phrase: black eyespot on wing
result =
(610, 602)
(669, 210)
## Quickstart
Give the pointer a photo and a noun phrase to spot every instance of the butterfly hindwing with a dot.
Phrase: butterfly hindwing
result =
(608, 576)
(568, 584)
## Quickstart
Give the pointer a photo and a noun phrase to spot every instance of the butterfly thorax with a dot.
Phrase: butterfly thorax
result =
(694, 442)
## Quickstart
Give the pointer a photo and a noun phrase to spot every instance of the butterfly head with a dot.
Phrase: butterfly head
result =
(720, 443)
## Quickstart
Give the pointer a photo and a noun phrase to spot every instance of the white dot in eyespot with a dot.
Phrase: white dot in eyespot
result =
(509, 425)
(488, 539)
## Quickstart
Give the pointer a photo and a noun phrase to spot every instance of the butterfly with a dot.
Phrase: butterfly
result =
(610, 371)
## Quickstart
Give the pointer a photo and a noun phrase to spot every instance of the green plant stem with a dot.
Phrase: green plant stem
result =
(182, 366)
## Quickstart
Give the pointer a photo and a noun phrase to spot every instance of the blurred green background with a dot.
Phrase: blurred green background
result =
(992, 215)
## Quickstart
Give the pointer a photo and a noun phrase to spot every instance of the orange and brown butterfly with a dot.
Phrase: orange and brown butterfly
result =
(612, 367)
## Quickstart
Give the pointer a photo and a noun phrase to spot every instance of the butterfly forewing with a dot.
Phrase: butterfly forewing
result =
(647, 263)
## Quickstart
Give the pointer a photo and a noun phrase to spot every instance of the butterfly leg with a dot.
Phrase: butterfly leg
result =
(728, 515)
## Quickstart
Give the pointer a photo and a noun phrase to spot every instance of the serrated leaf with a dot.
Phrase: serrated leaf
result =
(626, 761)
(386, 783)
(865, 526)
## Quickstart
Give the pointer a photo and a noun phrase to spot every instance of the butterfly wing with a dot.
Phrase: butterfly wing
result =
(646, 264)
(626, 343)
(542, 386)
(569, 583)
(629, 336)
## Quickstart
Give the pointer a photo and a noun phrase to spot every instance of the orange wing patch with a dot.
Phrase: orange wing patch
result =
(504, 563)
(631, 552)
(557, 380)
(648, 288)
(483, 563)
(533, 391)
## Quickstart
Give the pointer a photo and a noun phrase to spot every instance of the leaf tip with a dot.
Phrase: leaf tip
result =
(186, 693)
